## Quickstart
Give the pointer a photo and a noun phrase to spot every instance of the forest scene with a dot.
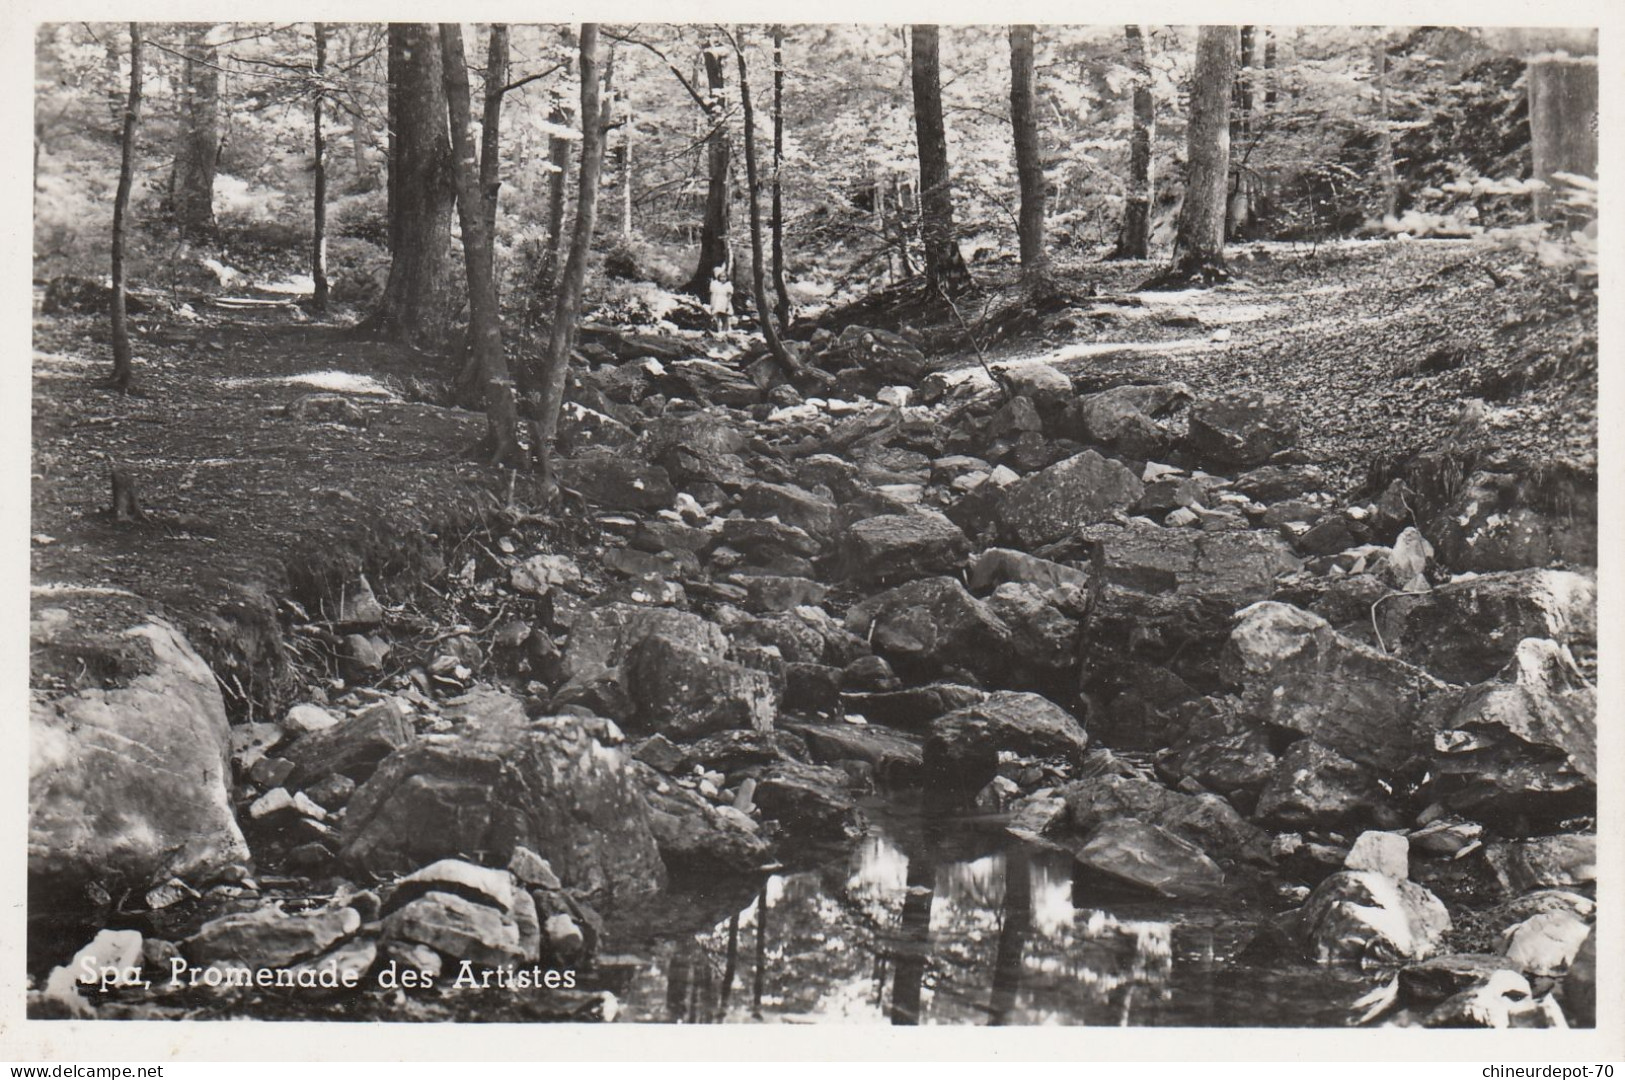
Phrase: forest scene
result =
(811, 523)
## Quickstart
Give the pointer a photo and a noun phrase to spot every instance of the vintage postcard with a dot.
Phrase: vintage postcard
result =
(892, 527)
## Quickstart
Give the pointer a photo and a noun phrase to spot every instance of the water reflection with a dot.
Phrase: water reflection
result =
(947, 925)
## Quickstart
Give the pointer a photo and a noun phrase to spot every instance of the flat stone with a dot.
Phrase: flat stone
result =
(269, 937)
(1150, 858)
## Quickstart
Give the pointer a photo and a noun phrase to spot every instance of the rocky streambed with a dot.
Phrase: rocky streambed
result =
(929, 700)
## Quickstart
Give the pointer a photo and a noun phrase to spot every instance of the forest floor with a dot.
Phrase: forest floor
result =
(1378, 345)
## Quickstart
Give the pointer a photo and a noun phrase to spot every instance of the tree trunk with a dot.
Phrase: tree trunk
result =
(1385, 137)
(114, 65)
(1135, 242)
(545, 395)
(1029, 163)
(197, 147)
(626, 165)
(123, 373)
(905, 225)
(714, 240)
(416, 308)
(786, 312)
(318, 239)
(1239, 212)
(758, 261)
(1199, 242)
(484, 317)
(366, 176)
(1563, 128)
(558, 157)
(1271, 93)
(945, 271)
(496, 83)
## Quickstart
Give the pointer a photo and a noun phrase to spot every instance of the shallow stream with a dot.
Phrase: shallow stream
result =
(933, 920)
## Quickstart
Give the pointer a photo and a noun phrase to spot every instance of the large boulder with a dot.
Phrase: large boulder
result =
(269, 937)
(1125, 418)
(1467, 630)
(1043, 636)
(999, 566)
(1524, 743)
(617, 482)
(684, 692)
(932, 623)
(963, 746)
(1063, 498)
(1049, 389)
(1368, 918)
(1560, 861)
(695, 837)
(1232, 567)
(703, 446)
(603, 640)
(1312, 786)
(506, 781)
(1204, 820)
(792, 505)
(1150, 858)
(1509, 521)
(1295, 672)
(352, 748)
(1220, 750)
(894, 756)
(1241, 428)
(810, 802)
(880, 352)
(890, 548)
(130, 778)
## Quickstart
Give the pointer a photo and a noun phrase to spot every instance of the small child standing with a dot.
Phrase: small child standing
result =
(722, 294)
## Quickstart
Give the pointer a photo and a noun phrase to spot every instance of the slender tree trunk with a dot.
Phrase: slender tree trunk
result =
(558, 156)
(1239, 213)
(905, 226)
(1385, 137)
(626, 165)
(758, 261)
(197, 147)
(715, 246)
(1199, 242)
(318, 239)
(1135, 243)
(1029, 163)
(945, 271)
(485, 318)
(545, 395)
(496, 84)
(114, 65)
(417, 306)
(786, 312)
(123, 372)
(1271, 91)
(366, 176)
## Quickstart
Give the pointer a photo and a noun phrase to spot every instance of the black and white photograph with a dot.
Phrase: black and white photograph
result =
(856, 524)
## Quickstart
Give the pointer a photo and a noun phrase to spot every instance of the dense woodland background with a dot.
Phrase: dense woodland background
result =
(233, 104)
